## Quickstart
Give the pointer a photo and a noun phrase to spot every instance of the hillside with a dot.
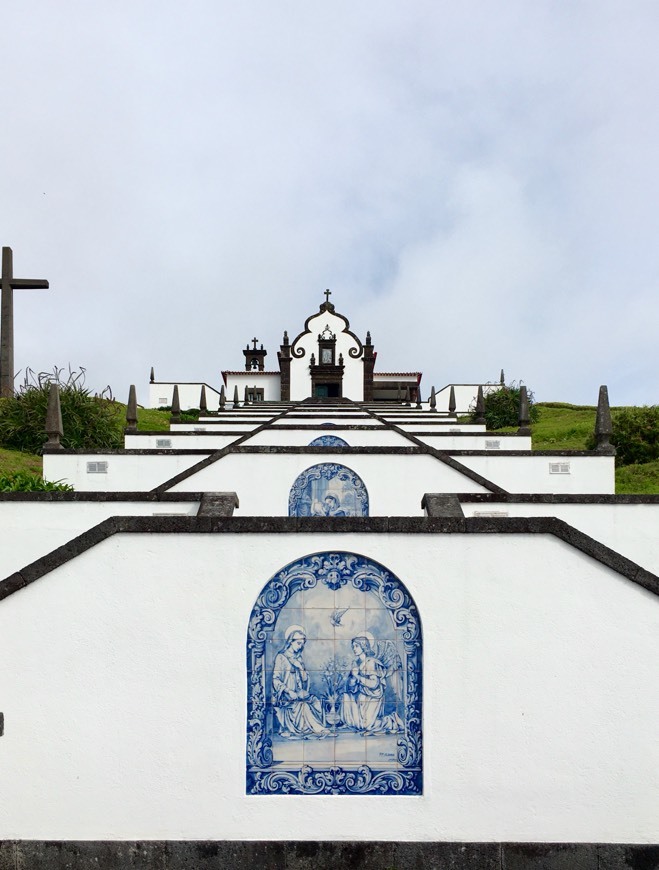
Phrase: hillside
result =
(561, 427)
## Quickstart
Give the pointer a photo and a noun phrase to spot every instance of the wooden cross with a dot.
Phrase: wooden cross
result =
(328, 293)
(9, 284)
(255, 340)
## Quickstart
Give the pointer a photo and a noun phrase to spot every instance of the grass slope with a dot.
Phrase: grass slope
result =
(560, 427)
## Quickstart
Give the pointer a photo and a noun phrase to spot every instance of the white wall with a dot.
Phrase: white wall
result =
(629, 529)
(268, 382)
(478, 441)
(123, 690)
(395, 484)
(29, 530)
(125, 472)
(530, 474)
(201, 441)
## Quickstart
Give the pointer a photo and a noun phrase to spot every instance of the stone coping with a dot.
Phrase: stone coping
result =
(545, 525)
(101, 496)
(421, 448)
(322, 855)
(463, 497)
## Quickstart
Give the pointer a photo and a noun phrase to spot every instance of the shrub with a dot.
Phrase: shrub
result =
(23, 481)
(90, 422)
(635, 435)
(502, 407)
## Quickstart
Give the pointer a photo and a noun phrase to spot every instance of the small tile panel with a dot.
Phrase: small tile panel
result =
(328, 490)
(334, 681)
(328, 441)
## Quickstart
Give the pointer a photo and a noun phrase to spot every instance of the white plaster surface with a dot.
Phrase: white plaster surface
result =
(29, 530)
(124, 693)
(530, 474)
(269, 382)
(395, 484)
(630, 529)
(200, 441)
(126, 472)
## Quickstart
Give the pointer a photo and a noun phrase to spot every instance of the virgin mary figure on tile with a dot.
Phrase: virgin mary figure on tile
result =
(299, 713)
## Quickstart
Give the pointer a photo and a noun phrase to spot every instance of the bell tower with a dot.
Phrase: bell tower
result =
(255, 357)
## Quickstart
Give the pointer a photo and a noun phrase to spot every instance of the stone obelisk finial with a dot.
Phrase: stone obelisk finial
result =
(203, 404)
(433, 400)
(451, 401)
(502, 378)
(131, 410)
(603, 424)
(418, 396)
(236, 402)
(223, 399)
(176, 407)
(480, 406)
(152, 375)
(524, 416)
(408, 396)
(246, 397)
(54, 427)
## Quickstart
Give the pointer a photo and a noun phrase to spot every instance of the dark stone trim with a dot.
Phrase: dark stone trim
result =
(439, 504)
(218, 504)
(556, 498)
(136, 451)
(322, 855)
(101, 496)
(329, 525)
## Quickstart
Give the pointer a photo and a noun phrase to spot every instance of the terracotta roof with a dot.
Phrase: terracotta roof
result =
(250, 373)
(396, 374)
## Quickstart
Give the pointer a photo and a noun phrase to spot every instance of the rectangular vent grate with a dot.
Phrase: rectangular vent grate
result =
(493, 445)
(163, 442)
(97, 468)
(559, 467)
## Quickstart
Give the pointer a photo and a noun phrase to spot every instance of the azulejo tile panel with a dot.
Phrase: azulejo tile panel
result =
(328, 441)
(334, 681)
(328, 490)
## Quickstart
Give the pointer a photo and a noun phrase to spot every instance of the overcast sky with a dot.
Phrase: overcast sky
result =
(477, 183)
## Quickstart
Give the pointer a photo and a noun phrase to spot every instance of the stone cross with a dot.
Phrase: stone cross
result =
(9, 284)
(254, 340)
(328, 293)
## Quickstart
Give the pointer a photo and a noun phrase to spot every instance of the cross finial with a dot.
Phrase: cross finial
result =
(254, 340)
(328, 293)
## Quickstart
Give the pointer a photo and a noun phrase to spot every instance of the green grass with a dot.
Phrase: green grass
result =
(638, 479)
(152, 420)
(562, 427)
(15, 461)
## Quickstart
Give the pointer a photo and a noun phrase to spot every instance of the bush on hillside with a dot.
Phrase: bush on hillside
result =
(23, 481)
(635, 435)
(502, 407)
(89, 422)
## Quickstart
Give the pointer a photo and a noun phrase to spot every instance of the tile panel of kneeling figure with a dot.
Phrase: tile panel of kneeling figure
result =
(334, 681)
